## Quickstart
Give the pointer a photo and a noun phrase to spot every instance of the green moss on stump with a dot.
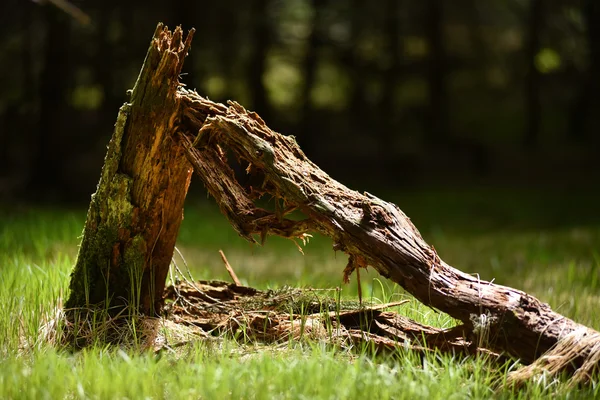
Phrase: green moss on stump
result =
(100, 259)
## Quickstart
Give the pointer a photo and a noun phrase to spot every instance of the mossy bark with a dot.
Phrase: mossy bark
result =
(135, 214)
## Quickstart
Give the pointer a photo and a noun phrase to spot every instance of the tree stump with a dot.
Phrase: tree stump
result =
(135, 214)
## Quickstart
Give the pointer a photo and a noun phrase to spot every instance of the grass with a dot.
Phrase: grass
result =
(543, 243)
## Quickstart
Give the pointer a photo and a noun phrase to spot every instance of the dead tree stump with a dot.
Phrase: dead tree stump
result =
(134, 218)
(135, 214)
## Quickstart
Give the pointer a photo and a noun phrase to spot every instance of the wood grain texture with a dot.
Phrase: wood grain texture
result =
(371, 231)
(135, 214)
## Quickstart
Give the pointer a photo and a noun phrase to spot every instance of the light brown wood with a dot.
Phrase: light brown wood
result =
(135, 214)
(371, 231)
(229, 269)
(134, 217)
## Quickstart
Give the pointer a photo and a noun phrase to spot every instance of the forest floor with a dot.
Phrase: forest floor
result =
(545, 243)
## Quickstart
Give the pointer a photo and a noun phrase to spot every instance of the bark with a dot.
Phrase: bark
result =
(371, 231)
(211, 307)
(134, 216)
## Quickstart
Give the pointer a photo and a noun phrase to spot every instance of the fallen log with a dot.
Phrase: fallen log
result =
(371, 231)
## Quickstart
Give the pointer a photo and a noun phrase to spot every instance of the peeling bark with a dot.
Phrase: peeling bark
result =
(135, 214)
(371, 231)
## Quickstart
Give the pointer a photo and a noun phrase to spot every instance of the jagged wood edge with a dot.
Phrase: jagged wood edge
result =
(262, 317)
(372, 231)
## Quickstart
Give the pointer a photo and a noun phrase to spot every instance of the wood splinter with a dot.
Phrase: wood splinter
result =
(229, 269)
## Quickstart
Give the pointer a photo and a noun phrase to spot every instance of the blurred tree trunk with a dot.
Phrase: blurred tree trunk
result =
(579, 117)
(533, 105)
(261, 39)
(352, 57)
(135, 214)
(438, 102)
(55, 80)
(391, 72)
(5, 121)
(307, 135)
(6, 115)
(481, 54)
(19, 115)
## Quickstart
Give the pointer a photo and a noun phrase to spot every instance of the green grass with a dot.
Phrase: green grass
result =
(544, 243)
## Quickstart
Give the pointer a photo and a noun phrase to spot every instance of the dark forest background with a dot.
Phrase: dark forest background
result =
(394, 93)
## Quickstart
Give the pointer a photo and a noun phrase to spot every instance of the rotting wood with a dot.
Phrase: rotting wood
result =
(371, 231)
(289, 313)
(135, 214)
(134, 217)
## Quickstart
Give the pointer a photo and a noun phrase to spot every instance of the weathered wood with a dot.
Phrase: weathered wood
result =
(277, 316)
(134, 216)
(371, 231)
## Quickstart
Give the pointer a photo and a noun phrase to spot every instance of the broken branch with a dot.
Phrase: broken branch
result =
(363, 226)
